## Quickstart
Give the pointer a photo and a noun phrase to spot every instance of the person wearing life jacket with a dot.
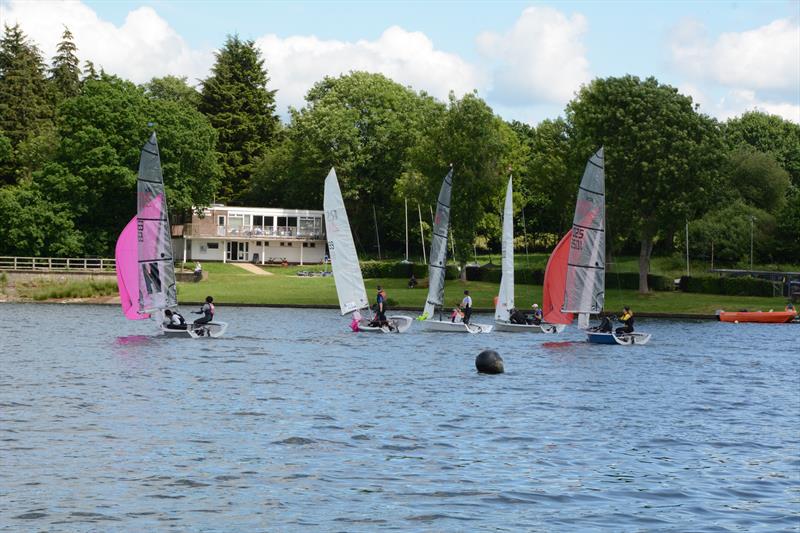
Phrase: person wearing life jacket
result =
(537, 316)
(516, 316)
(174, 320)
(207, 311)
(627, 319)
(380, 308)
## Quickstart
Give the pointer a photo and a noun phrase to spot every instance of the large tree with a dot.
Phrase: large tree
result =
(662, 158)
(102, 131)
(24, 107)
(770, 134)
(362, 124)
(65, 73)
(482, 149)
(236, 100)
(174, 89)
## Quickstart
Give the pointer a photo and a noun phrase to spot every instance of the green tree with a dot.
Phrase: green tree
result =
(728, 230)
(364, 125)
(102, 132)
(174, 89)
(236, 100)
(65, 73)
(770, 134)
(546, 179)
(24, 107)
(758, 179)
(482, 148)
(30, 225)
(662, 158)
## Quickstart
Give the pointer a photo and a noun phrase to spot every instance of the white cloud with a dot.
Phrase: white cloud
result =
(295, 63)
(737, 102)
(144, 46)
(764, 58)
(542, 57)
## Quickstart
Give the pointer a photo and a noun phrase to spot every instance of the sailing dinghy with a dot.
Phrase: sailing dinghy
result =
(144, 262)
(437, 267)
(344, 264)
(575, 275)
(505, 299)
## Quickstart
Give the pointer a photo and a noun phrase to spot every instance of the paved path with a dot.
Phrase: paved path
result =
(253, 269)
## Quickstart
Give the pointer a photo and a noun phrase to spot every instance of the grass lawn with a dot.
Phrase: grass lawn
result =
(229, 284)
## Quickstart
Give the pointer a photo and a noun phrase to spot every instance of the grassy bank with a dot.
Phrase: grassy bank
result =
(50, 290)
(231, 284)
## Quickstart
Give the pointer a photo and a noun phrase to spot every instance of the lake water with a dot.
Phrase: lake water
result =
(292, 423)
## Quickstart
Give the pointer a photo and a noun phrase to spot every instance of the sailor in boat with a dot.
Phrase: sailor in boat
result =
(605, 325)
(536, 316)
(207, 311)
(627, 320)
(380, 309)
(466, 305)
(457, 315)
(517, 317)
(174, 320)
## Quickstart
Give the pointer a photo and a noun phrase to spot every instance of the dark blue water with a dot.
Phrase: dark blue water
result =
(292, 423)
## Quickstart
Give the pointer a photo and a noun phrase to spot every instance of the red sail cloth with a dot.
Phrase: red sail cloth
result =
(555, 279)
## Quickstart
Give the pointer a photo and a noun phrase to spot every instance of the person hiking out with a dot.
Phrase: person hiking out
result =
(207, 310)
(627, 320)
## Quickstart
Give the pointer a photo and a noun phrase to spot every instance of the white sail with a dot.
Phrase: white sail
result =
(156, 270)
(585, 283)
(344, 259)
(505, 299)
(438, 257)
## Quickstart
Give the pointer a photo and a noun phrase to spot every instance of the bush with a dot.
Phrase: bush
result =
(630, 280)
(522, 276)
(391, 269)
(739, 286)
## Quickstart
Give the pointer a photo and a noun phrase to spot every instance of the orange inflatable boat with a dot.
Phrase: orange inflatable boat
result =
(772, 317)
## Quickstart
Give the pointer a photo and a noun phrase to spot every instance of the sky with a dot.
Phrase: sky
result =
(526, 59)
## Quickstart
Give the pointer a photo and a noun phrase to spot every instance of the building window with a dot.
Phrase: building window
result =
(283, 243)
(313, 244)
(288, 244)
(213, 246)
(305, 245)
(258, 243)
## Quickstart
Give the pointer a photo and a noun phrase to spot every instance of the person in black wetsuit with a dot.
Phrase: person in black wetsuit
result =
(207, 311)
(174, 320)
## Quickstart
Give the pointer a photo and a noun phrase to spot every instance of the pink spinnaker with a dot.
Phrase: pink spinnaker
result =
(127, 259)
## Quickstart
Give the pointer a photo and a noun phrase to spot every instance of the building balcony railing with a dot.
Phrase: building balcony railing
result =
(250, 232)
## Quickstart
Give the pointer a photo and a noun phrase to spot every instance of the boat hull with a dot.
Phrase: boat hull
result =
(625, 339)
(400, 324)
(766, 317)
(508, 327)
(446, 326)
(210, 330)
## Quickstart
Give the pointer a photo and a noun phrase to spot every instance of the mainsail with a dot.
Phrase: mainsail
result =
(585, 282)
(344, 259)
(505, 299)
(438, 257)
(156, 277)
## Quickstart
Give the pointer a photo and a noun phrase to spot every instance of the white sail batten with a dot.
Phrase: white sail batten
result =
(344, 259)
(585, 287)
(438, 257)
(156, 270)
(505, 298)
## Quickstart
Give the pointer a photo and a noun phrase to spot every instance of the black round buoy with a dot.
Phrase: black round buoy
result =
(489, 362)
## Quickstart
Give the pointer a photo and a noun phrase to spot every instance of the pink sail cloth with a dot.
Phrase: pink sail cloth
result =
(127, 259)
(555, 279)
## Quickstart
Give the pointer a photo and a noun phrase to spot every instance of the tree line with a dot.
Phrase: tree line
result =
(70, 136)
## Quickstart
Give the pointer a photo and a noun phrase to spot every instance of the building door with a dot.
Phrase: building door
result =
(238, 251)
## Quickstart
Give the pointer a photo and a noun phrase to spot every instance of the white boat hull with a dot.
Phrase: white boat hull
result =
(212, 329)
(399, 323)
(455, 327)
(508, 327)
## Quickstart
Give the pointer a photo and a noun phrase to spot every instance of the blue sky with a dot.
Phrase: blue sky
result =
(525, 58)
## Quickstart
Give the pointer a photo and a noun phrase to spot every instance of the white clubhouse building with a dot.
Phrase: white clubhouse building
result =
(259, 235)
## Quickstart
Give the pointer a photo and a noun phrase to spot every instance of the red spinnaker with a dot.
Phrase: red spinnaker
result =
(555, 279)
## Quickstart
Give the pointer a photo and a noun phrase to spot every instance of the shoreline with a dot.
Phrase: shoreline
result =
(479, 310)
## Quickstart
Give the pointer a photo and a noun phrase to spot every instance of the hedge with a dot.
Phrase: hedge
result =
(522, 276)
(738, 286)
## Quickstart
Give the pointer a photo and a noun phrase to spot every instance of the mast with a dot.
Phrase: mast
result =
(405, 201)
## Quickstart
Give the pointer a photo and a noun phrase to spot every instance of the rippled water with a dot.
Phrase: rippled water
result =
(292, 423)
